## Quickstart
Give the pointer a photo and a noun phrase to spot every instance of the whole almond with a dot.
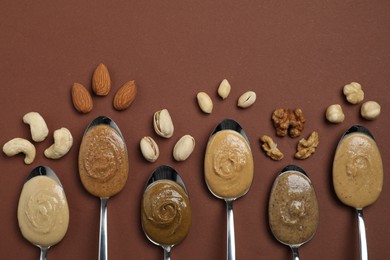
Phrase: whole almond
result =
(101, 81)
(125, 96)
(81, 98)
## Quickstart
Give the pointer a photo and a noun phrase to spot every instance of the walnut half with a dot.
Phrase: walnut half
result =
(286, 120)
(270, 148)
(307, 147)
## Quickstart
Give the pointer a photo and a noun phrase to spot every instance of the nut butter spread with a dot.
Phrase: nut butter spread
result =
(357, 170)
(43, 212)
(103, 161)
(166, 212)
(228, 164)
(293, 208)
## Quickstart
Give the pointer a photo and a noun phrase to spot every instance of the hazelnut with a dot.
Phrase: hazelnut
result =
(370, 110)
(334, 114)
(353, 92)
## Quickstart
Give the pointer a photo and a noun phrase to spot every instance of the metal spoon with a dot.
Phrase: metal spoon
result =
(43, 171)
(229, 124)
(313, 200)
(164, 172)
(103, 244)
(357, 129)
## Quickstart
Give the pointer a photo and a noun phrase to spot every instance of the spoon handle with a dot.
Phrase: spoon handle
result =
(43, 253)
(362, 235)
(167, 252)
(231, 246)
(295, 252)
(103, 249)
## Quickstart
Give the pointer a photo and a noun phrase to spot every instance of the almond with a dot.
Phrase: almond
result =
(81, 98)
(101, 81)
(125, 95)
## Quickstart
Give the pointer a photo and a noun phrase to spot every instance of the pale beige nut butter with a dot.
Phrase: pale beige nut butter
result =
(43, 213)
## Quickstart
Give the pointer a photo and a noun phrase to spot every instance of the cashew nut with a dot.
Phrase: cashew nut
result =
(38, 127)
(20, 145)
(63, 141)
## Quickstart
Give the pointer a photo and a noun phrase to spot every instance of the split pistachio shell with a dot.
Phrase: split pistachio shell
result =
(183, 148)
(163, 124)
(224, 89)
(205, 103)
(247, 99)
(149, 149)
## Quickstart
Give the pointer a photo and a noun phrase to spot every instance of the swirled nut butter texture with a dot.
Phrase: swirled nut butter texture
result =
(293, 208)
(103, 161)
(43, 213)
(228, 164)
(357, 170)
(166, 212)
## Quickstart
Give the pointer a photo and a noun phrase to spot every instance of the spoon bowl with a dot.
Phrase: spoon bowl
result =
(43, 207)
(229, 170)
(165, 203)
(103, 167)
(358, 175)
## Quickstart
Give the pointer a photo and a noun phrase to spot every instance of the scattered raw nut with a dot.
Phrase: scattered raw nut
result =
(270, 148)
(334, 114)
(101, 81)
(125, 96)
(370, 110)
(247, 99)
(63, 141)
(205, 103)
(353, 92)
(307, 147)
(38, 127)
(163, 124)
(20, 145)
(224, 89)
(285, 120)
(183, 148)
(149, 149)
(81, 98)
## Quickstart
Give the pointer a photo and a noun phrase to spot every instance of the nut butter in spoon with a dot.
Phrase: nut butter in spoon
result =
(103, 167)
(293, 208)
(43, 212)
(165, 209)
(358, 174)
(228, 170)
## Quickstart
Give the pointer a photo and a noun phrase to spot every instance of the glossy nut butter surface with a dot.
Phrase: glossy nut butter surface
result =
(103, 161)
(43, 213)
(357, 170)
(293, 208)
(228, 164)
(166, 212)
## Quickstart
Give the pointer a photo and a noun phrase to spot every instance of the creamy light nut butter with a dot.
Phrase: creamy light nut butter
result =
(103, 161)
(228, 164)
(166, 212)
(43, 213)
(357, 170)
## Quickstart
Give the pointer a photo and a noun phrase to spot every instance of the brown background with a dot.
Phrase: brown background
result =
(292, 53)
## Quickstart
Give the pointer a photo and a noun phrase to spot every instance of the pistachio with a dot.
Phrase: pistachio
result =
(204, 102)
(183, 148)
(149, 149)
(162, 123)
(247, 99)
(224, 89)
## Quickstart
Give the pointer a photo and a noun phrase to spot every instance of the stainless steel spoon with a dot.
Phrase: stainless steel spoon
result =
(43, 171)
(103, 244)
(297, 207)
(164, 172)
(229, 124)
(375, 187)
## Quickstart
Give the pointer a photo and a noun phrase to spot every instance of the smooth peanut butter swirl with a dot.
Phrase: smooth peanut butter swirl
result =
(43, 212)
(103, 162)
(166, 212)
(228, 164)
(293, 209)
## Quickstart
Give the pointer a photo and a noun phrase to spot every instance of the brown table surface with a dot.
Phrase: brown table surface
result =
(291, 53)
